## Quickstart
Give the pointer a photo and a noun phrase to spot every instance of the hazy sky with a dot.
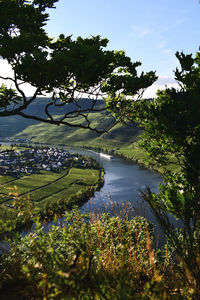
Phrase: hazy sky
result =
(150, 31)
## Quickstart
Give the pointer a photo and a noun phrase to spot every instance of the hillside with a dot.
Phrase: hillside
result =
(10, 126)
(19, 127)
(73, 136)
(120, 138)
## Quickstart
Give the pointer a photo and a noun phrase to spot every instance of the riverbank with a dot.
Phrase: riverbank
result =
(135, 154)
(23, 213)
(124, 179)
(48, 193)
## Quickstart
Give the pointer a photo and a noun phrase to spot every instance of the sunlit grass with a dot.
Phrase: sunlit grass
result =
(94, 257)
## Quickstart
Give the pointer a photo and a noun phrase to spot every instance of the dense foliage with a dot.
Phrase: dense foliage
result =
(99, 257)
(64, 67)
(171, 120)
(171, 127)
(92, 257)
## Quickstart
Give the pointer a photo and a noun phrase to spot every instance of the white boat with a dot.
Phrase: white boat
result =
(106, 156)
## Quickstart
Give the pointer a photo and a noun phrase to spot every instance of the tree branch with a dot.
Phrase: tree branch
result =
(7, 78)
(62, 122)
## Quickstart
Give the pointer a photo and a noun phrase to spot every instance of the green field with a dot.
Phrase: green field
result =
(47, 191)
(45, 184)
(6, 179)
(76, 180)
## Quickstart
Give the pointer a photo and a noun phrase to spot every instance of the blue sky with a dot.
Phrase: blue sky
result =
(150, 31)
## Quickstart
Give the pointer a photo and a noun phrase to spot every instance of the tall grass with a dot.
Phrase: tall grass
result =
(93, 257)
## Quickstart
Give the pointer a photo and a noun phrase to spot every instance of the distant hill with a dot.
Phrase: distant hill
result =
(10, 126)
(40, 132)
(38, 106)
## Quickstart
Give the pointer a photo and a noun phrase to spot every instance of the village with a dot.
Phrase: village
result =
(33, 160)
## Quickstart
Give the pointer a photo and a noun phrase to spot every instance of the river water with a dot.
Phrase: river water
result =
(124, 181)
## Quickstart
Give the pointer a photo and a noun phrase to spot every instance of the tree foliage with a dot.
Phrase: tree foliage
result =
(65, 68)
(172, 132)
(171, 121)
(68, 69)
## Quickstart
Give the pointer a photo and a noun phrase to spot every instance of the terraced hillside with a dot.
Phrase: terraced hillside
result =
(119, 135)
(44, 186)
(43, 190)
(39, 132)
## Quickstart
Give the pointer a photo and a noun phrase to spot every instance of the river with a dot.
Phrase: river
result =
(124, 180)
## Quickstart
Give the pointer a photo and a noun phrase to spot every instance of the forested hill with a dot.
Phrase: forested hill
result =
(16, 126)
(38, 106)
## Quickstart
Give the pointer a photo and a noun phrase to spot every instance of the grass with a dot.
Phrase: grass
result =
(136, 153)
(63, 194)
(6, 179)
(47, 191)
(89, 177)
(73, 182)
(94, 257)
(13, 125)
(27, 183)
(48, 183)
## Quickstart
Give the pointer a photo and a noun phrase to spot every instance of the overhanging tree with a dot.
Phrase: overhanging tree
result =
(66, 69)
(171, 124)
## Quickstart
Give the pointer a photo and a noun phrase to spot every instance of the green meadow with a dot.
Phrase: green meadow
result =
(45, 184)
(47, 191)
